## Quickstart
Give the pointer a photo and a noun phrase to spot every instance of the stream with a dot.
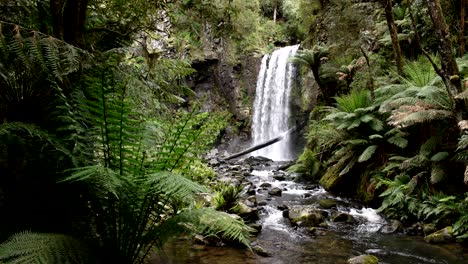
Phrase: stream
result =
(332, 242)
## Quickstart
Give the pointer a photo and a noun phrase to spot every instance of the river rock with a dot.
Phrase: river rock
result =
(327, 203)
(442, 236)
(279, 176)
(262, 203)
(282, 207)
(363, 259)
(265, 185)
(415, 229)
(256, 160)
(246, 212)
(252, 199)
(343, 217)
(392, 227)
(213, 162)
(257, 228)
(275, 191)
(305, 215)
(261, 251)
(428, 229)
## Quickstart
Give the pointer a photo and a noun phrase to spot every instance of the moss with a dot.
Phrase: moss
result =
(441, 236)
(332, 178)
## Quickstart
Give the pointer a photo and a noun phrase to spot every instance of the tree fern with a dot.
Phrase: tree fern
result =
(135, 191)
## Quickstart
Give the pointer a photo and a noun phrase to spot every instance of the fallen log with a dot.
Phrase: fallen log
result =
(263, 144)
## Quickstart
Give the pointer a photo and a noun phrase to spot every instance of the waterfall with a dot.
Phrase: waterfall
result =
(271, 107)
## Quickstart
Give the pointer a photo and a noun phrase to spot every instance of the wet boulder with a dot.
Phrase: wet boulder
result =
(256, 228)
(343, 218)
(246, 212)
(442, 236)
(392, 227)
(305, 215)
(261, 251)
(327, 203)
(275, 191)
(363, 259)
(428, 229)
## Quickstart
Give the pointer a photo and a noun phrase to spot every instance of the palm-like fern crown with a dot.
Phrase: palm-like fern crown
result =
(310, 58)
(421, 97)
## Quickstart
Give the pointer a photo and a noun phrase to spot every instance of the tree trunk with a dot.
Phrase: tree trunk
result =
(394, 35)
(462, 27)
(448, 62)
(68, 18)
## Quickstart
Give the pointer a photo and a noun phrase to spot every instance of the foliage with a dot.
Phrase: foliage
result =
(135, 195)
(226, 197)
(28, 247)
(307, 165)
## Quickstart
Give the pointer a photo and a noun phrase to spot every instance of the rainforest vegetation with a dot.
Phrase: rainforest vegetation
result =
(103, 136)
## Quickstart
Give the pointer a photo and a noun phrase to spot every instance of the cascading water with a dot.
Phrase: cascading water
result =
(271, 108)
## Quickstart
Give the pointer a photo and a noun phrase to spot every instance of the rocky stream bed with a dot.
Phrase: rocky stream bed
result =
(302, 223)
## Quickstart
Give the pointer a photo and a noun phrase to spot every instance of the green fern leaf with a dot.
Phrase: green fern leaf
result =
(440, 156)
(367, 153)
(437, 174)
(27, 247)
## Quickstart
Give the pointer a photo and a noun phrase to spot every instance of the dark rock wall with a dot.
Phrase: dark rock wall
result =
(221, 86)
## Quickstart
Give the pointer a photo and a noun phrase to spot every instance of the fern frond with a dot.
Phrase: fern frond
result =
(367, 153)
(174, 186)
(28, 247)
(437, 174)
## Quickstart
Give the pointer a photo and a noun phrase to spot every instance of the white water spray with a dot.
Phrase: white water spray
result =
(271, 108)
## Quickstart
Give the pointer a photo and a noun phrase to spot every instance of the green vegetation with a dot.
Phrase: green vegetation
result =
(101, 137)
(394, 138)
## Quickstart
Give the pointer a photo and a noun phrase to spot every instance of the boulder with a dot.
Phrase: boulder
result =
(265, 185)
(363, 259)
(246, 212)
(275, 191)
(256, 228)
(261, 251)
(428, 229)
(213, 162)
(343, 217)
(327, 203)
(442, 236)
(331, 179)
(392, 227)
(305, 215)
(279, 177)
(252, 199)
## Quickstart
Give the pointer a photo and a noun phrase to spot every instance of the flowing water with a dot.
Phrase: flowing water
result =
(332, 243)
(271, 107)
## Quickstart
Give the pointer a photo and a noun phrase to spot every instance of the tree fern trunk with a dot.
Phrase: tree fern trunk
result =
(393, 35)
(68, 18)
(449, 71)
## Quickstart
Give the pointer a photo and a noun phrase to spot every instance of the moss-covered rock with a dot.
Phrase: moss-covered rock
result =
(442, 236)
(363, 259)
(343, 217)
(305, 215)
(332, 178)
(327, 203)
